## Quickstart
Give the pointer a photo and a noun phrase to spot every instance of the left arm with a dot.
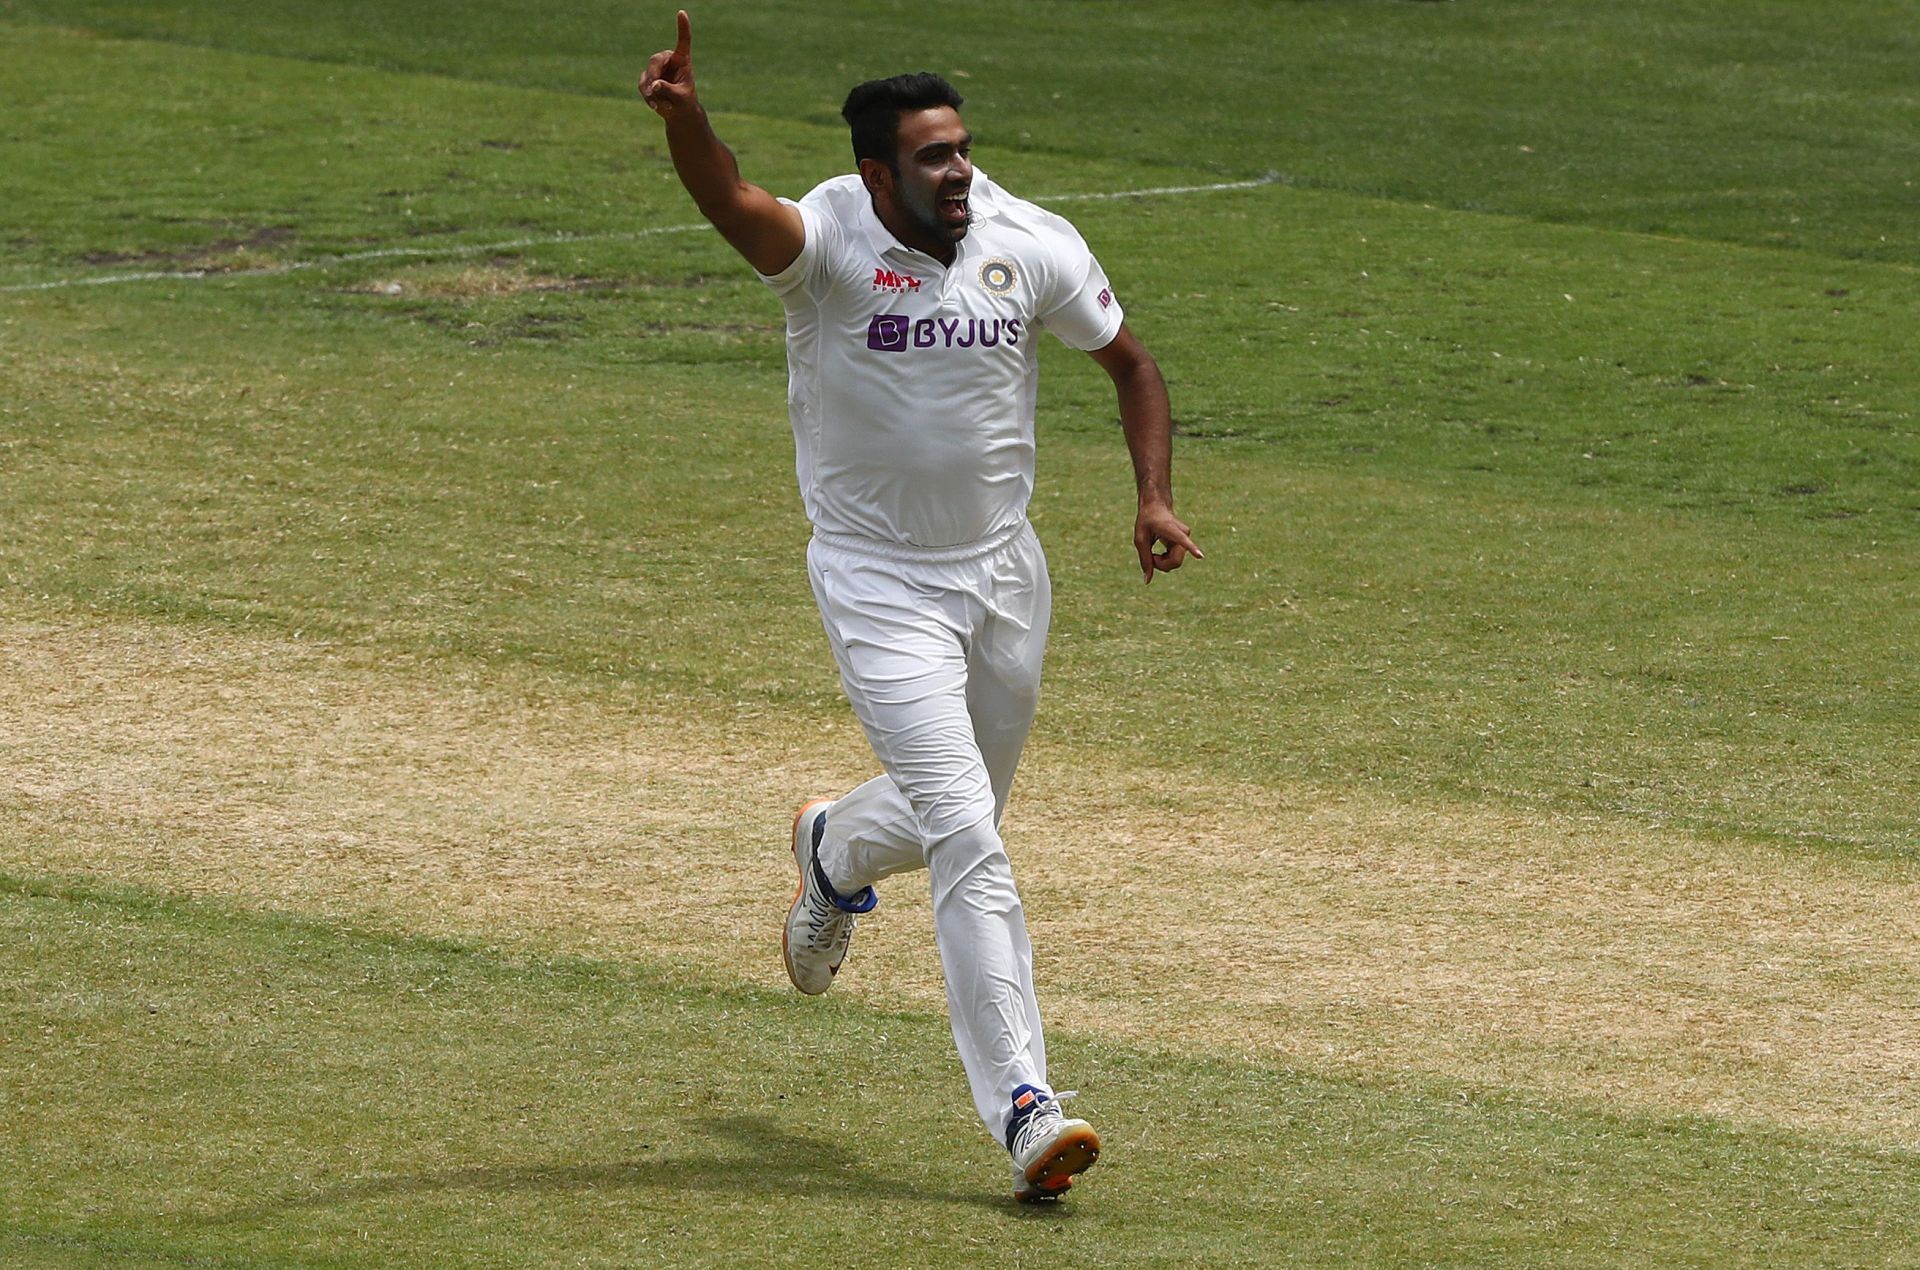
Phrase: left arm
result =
(1161, 539)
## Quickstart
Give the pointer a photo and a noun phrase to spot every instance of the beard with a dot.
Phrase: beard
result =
(923, 209)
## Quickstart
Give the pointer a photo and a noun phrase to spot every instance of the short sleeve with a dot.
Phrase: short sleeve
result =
(810, 266)
(1085, 314)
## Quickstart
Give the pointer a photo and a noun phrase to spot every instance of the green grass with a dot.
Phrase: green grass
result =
(1551, 542)
(262, 1090)
(1774, 122)
(1549, 426)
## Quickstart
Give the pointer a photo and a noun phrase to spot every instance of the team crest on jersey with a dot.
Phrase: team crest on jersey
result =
(998, 276)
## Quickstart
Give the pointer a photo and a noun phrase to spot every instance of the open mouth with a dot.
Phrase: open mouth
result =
(953, 208)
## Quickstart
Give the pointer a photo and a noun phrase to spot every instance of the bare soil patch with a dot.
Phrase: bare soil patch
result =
(1597, 960)
(490, 280)
(221, 254)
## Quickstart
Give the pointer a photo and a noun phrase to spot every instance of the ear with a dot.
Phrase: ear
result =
(876, 176)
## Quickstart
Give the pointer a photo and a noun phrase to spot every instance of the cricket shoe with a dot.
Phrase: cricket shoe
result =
(820, 922)
(1048, 1149)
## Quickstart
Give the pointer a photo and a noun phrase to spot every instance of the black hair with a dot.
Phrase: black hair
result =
(874, 108)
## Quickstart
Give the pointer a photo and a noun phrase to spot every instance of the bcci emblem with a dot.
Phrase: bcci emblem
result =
(998, 276)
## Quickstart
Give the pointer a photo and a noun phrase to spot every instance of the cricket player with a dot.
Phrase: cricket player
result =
(916, 291)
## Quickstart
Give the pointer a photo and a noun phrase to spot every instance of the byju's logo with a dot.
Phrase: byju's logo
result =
(895, 332)
(888, 332)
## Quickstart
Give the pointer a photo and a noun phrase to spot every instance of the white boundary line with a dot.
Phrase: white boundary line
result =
(475, 249)
(1271, 178)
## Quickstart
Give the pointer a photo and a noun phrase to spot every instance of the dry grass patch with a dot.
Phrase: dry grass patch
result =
(259, 248)
(475, 282)
(1594, 959)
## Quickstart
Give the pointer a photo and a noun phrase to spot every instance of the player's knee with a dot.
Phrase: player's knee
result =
(972, 864)
(952, 807)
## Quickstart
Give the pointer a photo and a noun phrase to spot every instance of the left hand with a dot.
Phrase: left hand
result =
(1162, 540)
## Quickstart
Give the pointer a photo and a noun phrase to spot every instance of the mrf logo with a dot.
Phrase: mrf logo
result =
(896, 283)
(896, 332)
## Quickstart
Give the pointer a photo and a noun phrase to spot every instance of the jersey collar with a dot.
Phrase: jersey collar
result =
(881, 239)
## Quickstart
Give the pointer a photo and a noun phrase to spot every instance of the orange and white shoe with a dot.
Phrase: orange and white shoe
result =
(1048, 1149)
(820, 920)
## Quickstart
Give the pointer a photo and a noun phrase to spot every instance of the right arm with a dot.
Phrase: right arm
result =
(766, 231)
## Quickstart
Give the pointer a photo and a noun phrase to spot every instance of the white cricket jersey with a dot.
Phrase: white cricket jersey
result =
(911, 384)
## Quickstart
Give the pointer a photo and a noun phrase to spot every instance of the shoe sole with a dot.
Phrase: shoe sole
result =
(786, 952)
(1069, 1157)
(1045, 1194)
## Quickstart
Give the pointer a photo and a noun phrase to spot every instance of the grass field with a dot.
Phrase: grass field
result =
(1501, 850)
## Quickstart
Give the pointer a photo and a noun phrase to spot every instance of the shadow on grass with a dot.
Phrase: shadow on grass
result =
(761, 1158)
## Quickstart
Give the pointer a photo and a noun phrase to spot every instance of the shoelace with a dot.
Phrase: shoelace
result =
(1047, 1113)
(827, 922)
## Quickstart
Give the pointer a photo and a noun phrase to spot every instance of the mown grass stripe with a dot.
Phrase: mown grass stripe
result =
(545, 240)
(268, 1086)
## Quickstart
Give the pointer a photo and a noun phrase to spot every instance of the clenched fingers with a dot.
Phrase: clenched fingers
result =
(1163, 543)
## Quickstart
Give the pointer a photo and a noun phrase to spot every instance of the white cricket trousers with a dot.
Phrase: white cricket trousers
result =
(939, 652)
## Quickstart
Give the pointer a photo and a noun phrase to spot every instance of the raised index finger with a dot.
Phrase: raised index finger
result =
(685, 45)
